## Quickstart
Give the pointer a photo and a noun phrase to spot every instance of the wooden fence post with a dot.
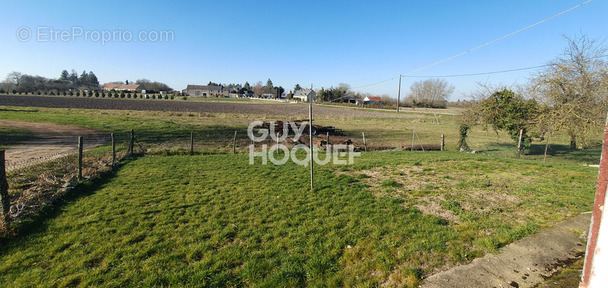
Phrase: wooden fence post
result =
(191, 143)
(131, 142)
(413, 137)
(234, 143)
(364, 142)
(442, 142)
(113, 149)
(547, 145)
(521, 134)
(79, 158)
(5, 203)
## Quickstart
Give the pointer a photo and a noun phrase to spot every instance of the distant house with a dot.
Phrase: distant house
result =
(349, 100)
(372, 100)
(122, 87)
(305, 94)
(207, 91)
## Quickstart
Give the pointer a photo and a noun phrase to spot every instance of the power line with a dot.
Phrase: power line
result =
(481, 73)
(476, 48)
(498, 39)
(377, 83)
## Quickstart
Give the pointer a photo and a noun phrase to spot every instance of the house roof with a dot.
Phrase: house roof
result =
(374, 99)
(210, 88)
(216, 88)
(110, 86)
(203, 87)
(303, 92)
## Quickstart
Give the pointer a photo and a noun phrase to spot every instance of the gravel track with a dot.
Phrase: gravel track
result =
(178, 105)
(49, 141)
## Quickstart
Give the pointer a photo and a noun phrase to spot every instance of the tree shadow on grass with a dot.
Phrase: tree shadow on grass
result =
(537, 151)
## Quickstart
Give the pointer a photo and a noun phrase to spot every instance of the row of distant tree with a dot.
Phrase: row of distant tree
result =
(17, 82)
(431, 93)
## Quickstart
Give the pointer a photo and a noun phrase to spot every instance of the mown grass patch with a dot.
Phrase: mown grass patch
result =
(492, 201)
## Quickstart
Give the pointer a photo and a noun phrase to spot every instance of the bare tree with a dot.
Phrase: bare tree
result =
(153, 86)
(430, 93)
(14, 78)
(574, 87)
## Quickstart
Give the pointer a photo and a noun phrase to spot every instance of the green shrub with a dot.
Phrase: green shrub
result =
(462, 142)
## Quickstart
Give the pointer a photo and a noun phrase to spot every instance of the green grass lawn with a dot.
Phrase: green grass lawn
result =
(216, 221)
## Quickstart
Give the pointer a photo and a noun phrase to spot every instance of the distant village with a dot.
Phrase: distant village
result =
(87, 84)
(237, 91)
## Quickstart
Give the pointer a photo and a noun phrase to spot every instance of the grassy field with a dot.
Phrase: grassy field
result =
(215, 130)
(213, 220)
(190, 221)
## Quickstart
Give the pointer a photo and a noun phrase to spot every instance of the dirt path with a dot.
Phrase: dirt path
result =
(525, 263)
(49, 141)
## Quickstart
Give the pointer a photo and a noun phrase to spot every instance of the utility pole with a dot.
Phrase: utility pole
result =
(399, 94)
(310, 137)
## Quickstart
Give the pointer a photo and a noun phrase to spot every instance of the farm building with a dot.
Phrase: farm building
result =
(372, 100)
(122, 87)
(207, 91)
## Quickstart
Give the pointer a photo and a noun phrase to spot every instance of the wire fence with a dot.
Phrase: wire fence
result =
(44, 178)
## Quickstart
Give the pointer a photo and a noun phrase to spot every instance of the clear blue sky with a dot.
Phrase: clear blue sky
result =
(322, 43)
